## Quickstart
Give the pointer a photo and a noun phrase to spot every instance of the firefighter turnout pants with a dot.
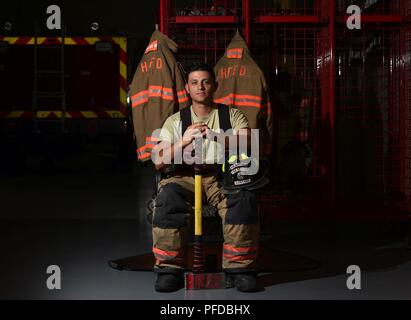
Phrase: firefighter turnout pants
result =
(173, 216)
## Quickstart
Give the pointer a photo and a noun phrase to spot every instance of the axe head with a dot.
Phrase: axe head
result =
(199, 281)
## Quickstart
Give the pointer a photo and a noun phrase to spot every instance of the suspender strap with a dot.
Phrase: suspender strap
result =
(224, 117)
(185, 116)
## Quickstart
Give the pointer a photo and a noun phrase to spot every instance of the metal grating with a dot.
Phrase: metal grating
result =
(369, 109)
(382, 7)
(285, 8)
(206, 44)
(343, 94)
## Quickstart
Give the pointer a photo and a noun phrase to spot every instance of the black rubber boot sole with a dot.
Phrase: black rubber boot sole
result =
(169, 282)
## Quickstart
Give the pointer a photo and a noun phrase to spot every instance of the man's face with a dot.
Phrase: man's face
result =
(201, 87)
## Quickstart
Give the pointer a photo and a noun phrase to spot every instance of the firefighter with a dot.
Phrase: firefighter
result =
(173, 204)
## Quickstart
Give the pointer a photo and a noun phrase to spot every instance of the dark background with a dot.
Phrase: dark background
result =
(81, 202)
(131, 18)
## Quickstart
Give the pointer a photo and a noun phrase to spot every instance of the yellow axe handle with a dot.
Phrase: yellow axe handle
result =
(197, 206)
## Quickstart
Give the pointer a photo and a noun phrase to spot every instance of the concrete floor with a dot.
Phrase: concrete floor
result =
(80, 221)
(82, 249)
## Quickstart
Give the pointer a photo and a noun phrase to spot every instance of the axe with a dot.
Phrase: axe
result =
(199, 278)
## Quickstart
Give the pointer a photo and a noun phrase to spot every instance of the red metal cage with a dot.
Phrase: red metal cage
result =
(341, 98)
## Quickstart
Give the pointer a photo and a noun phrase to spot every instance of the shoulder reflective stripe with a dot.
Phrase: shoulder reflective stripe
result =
(246, 104)
(139, 98)
(242, 96)
(139, 94)
(234, 56)
(153, 91)
(236, 53)
(152, 47)
(161, 95)
(182, 96)
(165, 89)
(163, 92)
(182, 92)
(180, 100)
(240, 100)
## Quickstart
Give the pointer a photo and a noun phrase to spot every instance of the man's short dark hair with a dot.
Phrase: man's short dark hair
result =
(201, 66)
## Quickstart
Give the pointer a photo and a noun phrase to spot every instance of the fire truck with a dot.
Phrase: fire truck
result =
(59, 93)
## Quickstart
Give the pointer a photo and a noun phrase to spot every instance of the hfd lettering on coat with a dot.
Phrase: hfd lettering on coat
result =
(152, 63)
(234, 71)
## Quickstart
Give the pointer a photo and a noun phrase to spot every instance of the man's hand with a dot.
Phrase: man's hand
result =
(194, 131)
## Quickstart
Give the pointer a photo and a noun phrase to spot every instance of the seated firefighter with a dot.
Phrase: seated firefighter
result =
(237, 206)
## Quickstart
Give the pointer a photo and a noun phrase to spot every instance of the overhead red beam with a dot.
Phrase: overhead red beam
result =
(205, 19)
(379, 18)
(287, 19)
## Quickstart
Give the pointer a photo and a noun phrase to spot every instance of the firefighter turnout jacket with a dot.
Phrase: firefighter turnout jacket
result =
(157, 91)
(241, 84)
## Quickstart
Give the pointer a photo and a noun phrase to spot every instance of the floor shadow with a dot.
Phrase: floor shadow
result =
(369, 261)
(282, 266)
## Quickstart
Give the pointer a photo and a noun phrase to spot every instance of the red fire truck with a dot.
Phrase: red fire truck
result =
(60, 89)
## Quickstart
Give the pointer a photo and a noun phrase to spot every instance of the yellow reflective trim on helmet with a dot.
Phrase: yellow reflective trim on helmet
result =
(243, 156)
(232, 158)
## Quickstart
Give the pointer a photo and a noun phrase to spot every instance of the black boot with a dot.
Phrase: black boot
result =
(169, 281)
(245, 281)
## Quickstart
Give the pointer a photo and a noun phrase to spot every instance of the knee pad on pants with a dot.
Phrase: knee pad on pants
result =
(242, 208)
(170, 207)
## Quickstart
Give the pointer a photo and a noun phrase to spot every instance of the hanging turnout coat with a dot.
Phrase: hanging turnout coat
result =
(241, 84)
(157, 91)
